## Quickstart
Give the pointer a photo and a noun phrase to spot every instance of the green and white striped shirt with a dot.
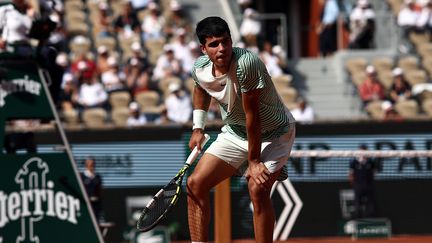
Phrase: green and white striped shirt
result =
(247, 72)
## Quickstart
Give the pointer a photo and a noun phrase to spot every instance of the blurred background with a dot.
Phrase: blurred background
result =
(353, 73)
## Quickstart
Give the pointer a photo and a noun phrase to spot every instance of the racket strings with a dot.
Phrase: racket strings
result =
(152, 214)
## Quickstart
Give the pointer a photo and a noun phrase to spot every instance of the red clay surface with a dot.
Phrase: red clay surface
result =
(398, 239)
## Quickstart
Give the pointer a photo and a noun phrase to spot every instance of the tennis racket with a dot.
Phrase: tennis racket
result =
(157, 209)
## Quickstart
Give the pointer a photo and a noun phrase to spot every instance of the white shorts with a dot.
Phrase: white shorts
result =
(234, 151)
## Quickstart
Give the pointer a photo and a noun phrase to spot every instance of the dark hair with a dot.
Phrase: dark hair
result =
(211, 26)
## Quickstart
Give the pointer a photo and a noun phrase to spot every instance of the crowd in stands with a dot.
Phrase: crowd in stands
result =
(399, 87)
(129, 63)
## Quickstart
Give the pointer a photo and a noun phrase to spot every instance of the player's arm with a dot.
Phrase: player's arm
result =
(201, 102)
(257, 170)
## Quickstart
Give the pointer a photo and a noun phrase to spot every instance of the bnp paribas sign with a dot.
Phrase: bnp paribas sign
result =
(42, 199)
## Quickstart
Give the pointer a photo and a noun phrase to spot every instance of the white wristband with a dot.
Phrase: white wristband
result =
(199, 118)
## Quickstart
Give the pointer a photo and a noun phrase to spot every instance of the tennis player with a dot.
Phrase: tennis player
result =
(258, 133)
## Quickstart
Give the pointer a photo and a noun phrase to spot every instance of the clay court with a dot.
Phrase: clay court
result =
(398, 239)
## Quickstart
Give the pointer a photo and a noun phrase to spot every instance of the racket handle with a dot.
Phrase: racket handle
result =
(194, 154)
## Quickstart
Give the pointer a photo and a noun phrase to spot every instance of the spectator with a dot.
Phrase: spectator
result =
(140, 84)
(137, 58)
(103, 24)
(270, 60)
(304, 113)
(83, 66)
(176, 18)
(127, 24)
(57, 38)
(371, 89)
(167, 65)
(178, 104)
(62, 60)
(400, 89)
(327, 28)
(93, 185)
(140, 4)
(67, 97)
(91, 94)
(15, 24)
(244, 4)
(408, 15)
(282, 57)
(182, 51)
(362, 26)
(390, 113)
(135, 117)
(153, 23)
(424, 22)
(250, 27)
(361, 175)
(102, 59)
(113, 78)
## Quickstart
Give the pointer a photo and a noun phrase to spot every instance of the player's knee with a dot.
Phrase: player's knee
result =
(257, 192)
(193, 185)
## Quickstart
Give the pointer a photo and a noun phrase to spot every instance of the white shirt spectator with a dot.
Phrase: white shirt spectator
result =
(425, 17)
(153, 23)
(250, 25)
(14, 25)
(358, 19)
(304, 113)
(270, 60)
(178, 104)
(92, 94)
(135, 118)
(408, 16)
(182, 51)
(112, 79)
(167, 65)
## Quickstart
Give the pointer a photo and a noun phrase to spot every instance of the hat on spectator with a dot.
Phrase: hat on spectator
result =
(244, 2)
(133, 61)
(103, 5)
(370, 69)
(79, 39)
(277, 49)
(153, 6)
(112, 61)
(240, 44)
(397, 71)
(82, 65)
(180, 32)
(175, 5)
(173, 87)
(133, 106)
(249, 12)
(68, 77)
(193, 45)
(167, 48)
(136, 46)
(362, 3)
(386, 105)
(62, 59)
(102, 49)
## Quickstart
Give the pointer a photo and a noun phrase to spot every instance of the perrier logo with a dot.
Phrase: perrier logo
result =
(36, 200)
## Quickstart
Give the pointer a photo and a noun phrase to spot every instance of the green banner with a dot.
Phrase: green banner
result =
(21, 91)
(41, 196)
(41, 201)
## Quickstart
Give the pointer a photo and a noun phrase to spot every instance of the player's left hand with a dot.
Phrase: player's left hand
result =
(259, 173)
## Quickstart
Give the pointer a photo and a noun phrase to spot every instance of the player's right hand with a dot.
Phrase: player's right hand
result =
(196, 139)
